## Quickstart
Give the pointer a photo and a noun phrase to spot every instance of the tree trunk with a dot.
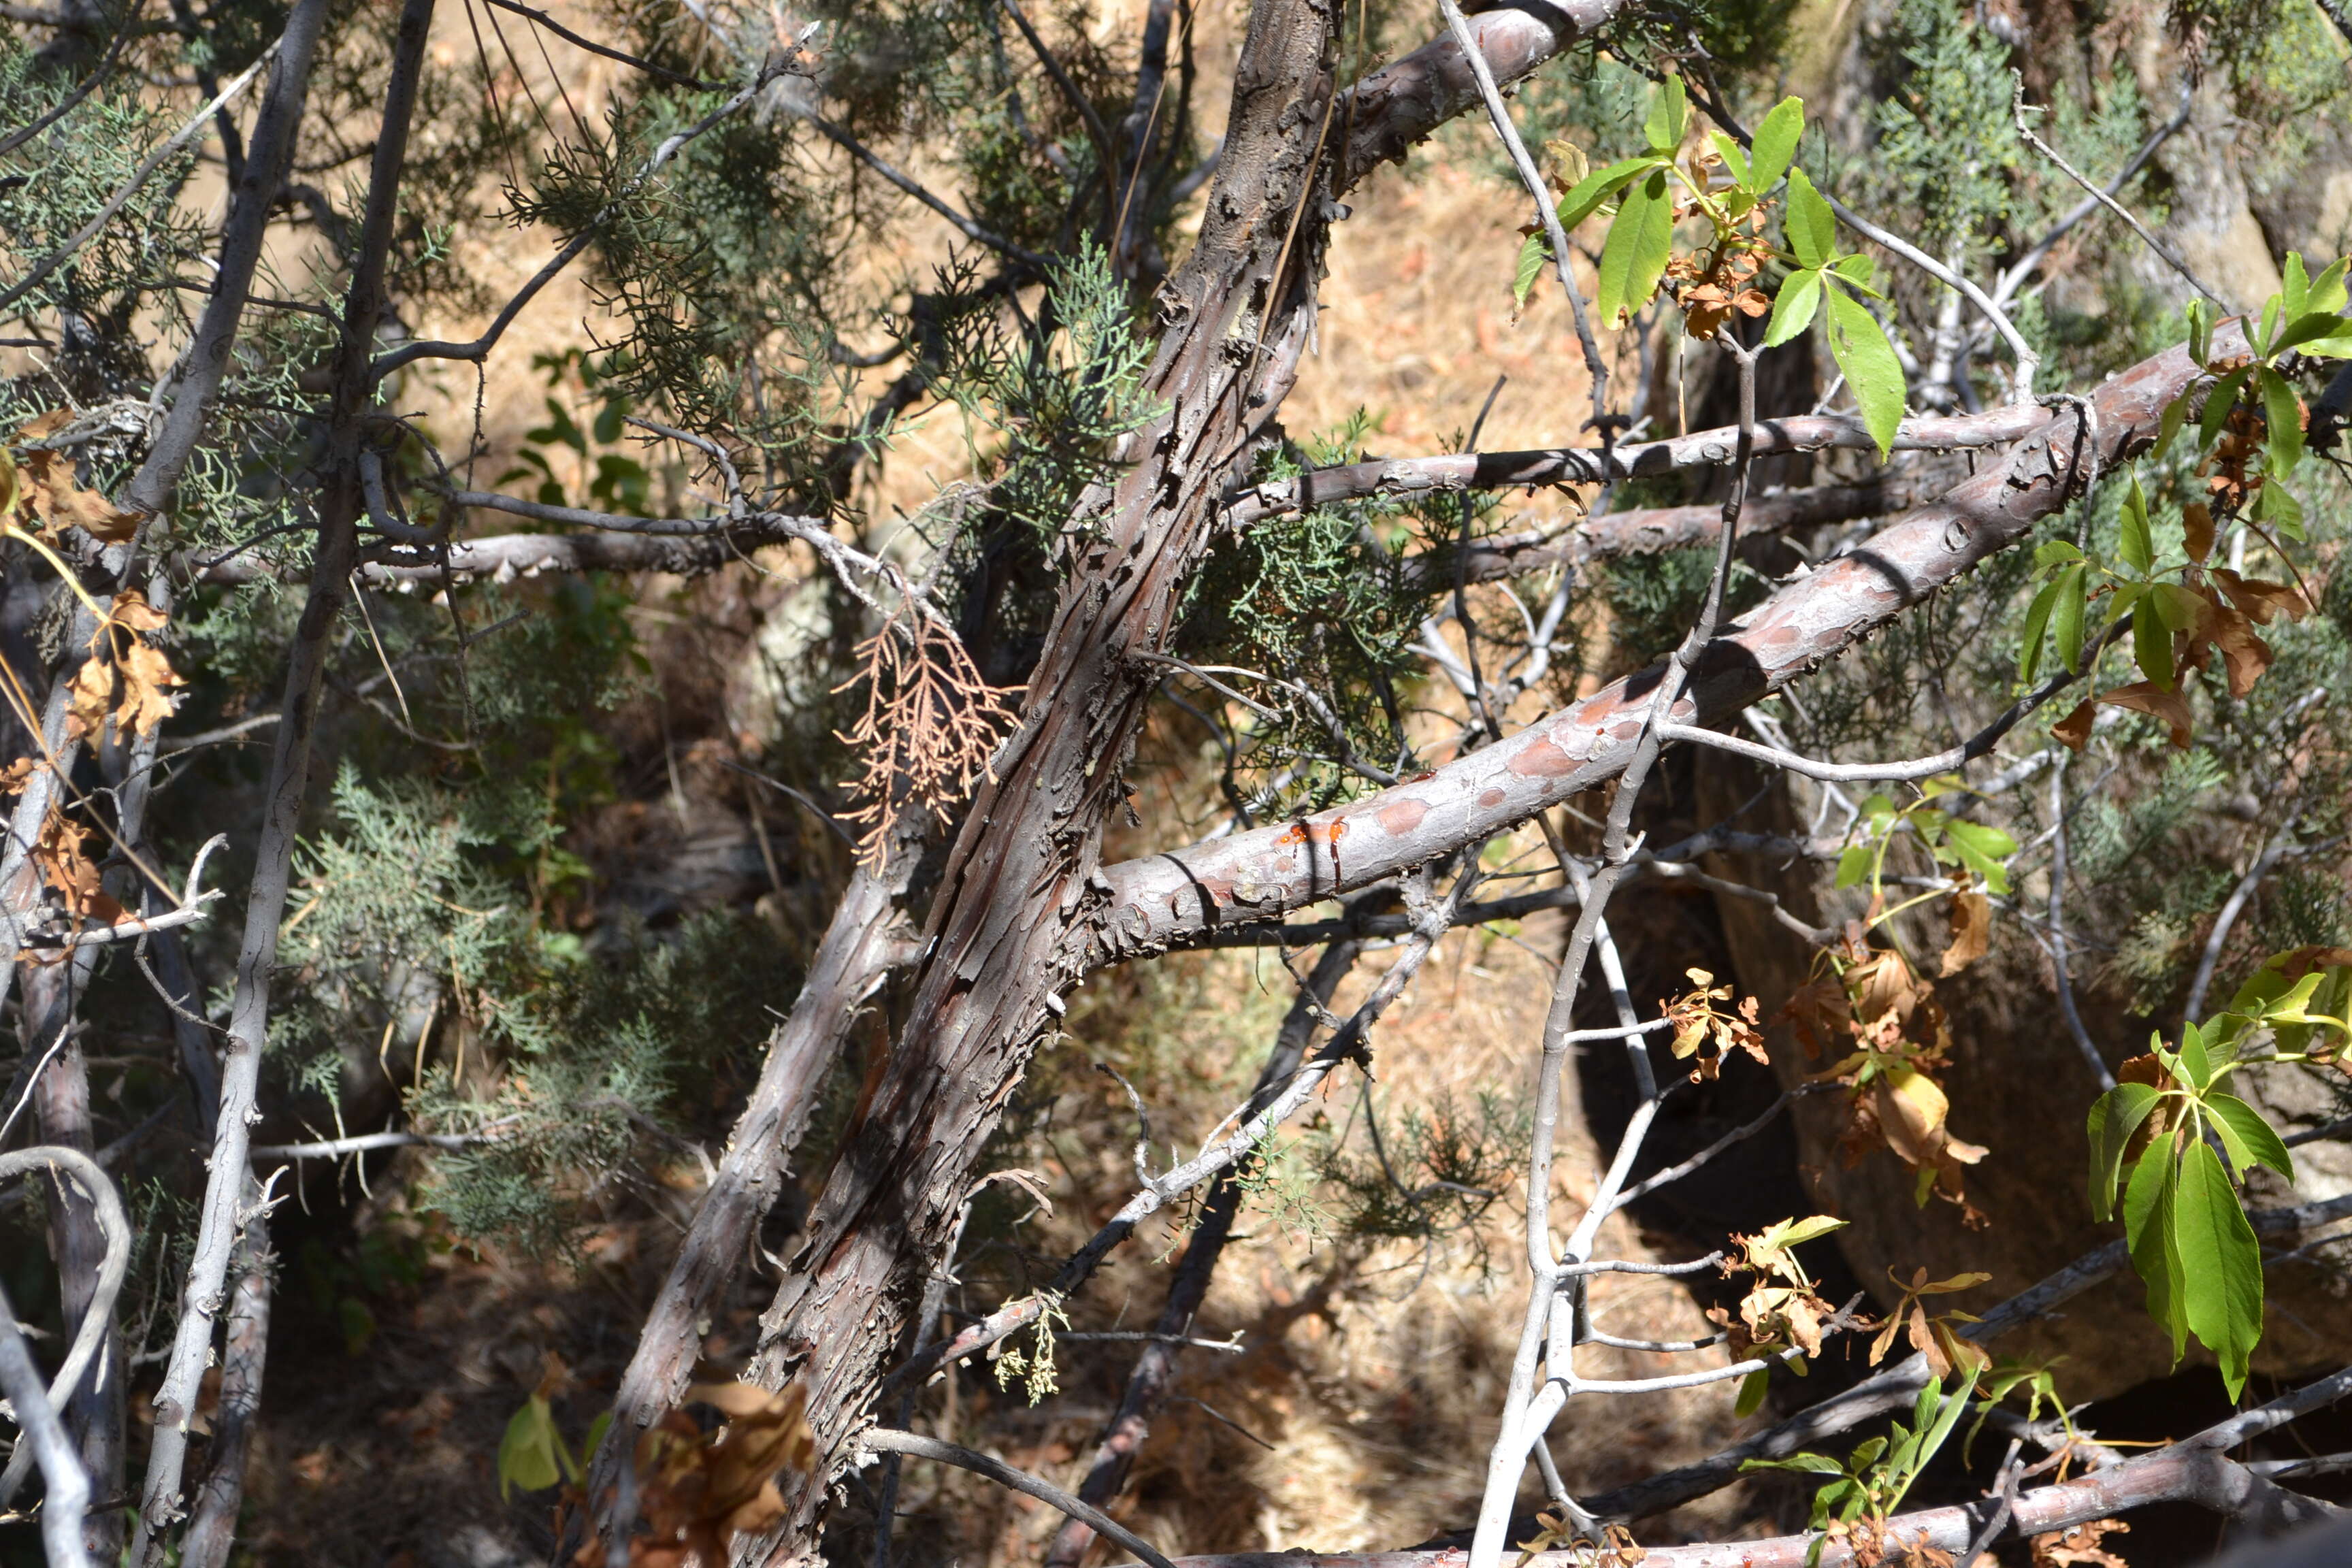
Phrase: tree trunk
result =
(1236, 315)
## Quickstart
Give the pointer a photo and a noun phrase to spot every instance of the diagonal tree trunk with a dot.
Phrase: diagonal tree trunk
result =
(1236, 316)
(1009, 924)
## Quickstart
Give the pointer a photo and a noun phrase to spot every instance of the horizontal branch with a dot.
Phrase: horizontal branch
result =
(888, 1440)
(1895, 1387)
(1410, 478)
(2194, 1471)
(1159, 901)
(1646, 531)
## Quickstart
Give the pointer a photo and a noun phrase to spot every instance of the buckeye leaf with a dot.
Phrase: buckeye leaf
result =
(2147, 1226)
(1793, 309)
(2294, 286)
(1640, 243)
(1533, 254)
(1860, 347)
(2136, 545)
(2037, 631)
(2115, 1117)
(1585, 198)
(2152, 646)
(2327, 291)
(1982, 849)
(1810, 226)
(2256, 1141)
(2220, 1264)
(531, 1455)
(2066, 617)
(1669, 115)
(2283, 412)
(1775, 143)
(2218, 404)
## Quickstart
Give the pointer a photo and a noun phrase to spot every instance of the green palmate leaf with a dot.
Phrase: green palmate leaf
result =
(2283, 413)
(1860, 272)
(2294, 286)
(2037, 631)
(1853, 865)
(2328, 292)
(1669, 116)
(2196, 1063)
(1982, 849)
(2220, 1264)
(1793, 308)
(1775, 143)
(2276, 505)
(2136, 545)
(2066, 617)
(1585, 198)
(1641, 242)
(2337, 347)
(2115, 1117)
(1860, 347)
(2176, 413)
(2251, 1139)
(2147, 1226)
(1810, 226)
(2218, 404)
(1533, 253)
(531, 1455)
(2152, 646)
(1735, 158)
(2310, 327)
(1752, 1389)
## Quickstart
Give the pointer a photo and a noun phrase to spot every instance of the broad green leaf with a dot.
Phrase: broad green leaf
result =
(1862, 351)
(2137, 547)
(2294, 286)
(1796, 1232)
(1810, 226)
(1775, 143)
(2196, 1065)
(2152, 646)
(2283, 412)
(1982, 849)
(2200, 332)
(2276, 505)
(2218, 404)
(1854, 864)
(2055, 552)
(1930, 1442)
(2309, 328)
(1803, 1464)
(2037, 631)
(2176, 413)
(2066, 617)
(1859, 270)
(1533, 253)
(1585, 198)
(1752, 1389)
(2180, 609)
(2115, 1117)
(2339, 346)
(2327, 289)
(2270, 321)
(1641, 242)
(1792, 309)
(1669, 116)
(2220, 1263)
(1734, 156)
(2147, 1226)
(531, 1455)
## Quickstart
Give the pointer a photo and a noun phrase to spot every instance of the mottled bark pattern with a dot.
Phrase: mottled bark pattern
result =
(1234, 319)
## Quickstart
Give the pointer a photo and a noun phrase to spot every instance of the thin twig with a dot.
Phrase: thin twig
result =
(883, 1440)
